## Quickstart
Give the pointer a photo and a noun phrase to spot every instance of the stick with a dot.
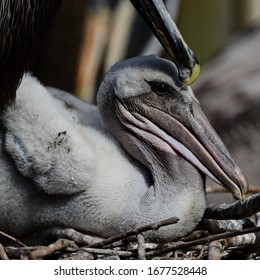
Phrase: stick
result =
(44, 251)
(3, 255)
(203, 240)
(97, 251)
(219, 189)
(135, 231)
(12, 238)
(141, 247)
(214, 250)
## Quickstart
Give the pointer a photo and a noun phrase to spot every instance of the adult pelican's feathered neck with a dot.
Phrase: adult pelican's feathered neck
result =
(23, 25)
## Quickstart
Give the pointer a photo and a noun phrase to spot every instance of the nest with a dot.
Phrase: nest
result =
(226, 232)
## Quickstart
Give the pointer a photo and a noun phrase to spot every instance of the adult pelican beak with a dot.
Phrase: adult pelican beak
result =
(160, 22)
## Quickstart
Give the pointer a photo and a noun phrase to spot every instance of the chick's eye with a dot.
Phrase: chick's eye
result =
(161, 88)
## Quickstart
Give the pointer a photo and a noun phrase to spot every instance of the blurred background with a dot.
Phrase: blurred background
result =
(88, 36)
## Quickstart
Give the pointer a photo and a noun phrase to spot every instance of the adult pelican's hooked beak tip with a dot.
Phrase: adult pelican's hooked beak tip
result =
(162, 25)
(189, 76)
(194, 74)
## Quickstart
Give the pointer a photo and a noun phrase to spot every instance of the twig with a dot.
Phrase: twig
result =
(132, 246)
(219, 226)
(141, 247)
(203, 240)
(241, 240)
(16, 252)
(72, 234)
(237, 210)
(44, 251)
(135, 231)
(97, 251)
(214, 250)
(195, 235)
(216, 247)
(201, 253)
(12, 238)
(79, 255)
(3, 255)
(254, 189)
(219, 189)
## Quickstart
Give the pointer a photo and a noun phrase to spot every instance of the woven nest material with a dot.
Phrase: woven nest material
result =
(227, 232)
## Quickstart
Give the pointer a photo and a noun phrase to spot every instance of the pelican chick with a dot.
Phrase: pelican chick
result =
(139, 157)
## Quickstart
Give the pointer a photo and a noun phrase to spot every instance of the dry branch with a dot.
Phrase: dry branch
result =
(12, 238)
(219, 226)
(185, 245)
(3, 255)
(43, 251)
(72, 234)
(135, 231)
(215, 249)
(97, 251)
(219, 189)
(141, 247)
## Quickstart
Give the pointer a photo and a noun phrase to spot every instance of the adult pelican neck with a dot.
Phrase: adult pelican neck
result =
(24, 24)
